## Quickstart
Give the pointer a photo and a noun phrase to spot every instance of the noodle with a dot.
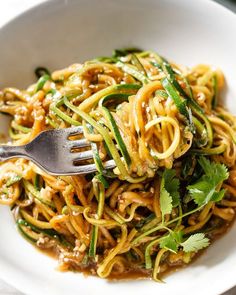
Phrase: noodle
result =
(174, 144)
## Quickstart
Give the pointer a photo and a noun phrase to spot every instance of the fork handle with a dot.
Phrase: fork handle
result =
(8, 152)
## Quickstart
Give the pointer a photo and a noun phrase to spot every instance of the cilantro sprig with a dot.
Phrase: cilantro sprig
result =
(205, 189)
(174, 240)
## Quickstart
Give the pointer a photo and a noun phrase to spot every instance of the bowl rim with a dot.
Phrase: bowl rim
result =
(20, 282)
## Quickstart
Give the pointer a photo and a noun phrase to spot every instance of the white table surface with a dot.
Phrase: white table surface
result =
(11, 8)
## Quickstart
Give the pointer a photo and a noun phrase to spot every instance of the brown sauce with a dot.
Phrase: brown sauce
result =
(51, 252)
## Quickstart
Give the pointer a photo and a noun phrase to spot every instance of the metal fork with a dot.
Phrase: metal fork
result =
(52, 150)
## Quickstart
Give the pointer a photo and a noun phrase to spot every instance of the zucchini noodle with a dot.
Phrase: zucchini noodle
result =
(161, 123)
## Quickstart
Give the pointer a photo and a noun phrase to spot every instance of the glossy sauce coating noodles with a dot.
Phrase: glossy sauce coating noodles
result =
(173, 190)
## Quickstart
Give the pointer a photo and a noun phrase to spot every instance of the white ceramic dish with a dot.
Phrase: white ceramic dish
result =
(59, 33)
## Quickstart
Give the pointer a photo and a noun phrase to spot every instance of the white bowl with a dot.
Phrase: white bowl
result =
(58, 33)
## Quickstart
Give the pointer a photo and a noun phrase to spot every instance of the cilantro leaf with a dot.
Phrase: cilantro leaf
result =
(218, 196)
(204, 190)
(195, 243)
(201, 192)
(172, 185)
(218, 172)
(171, 241)
(169, 192)
(165, 202)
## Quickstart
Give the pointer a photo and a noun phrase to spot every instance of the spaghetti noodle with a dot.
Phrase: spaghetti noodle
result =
(173, 190)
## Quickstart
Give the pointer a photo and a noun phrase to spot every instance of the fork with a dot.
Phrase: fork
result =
(52, 150)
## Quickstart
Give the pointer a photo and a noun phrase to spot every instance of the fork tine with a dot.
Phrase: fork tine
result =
(85, 169)
(89, 168)
(86, 155)
(74, 130)
(75, 170)
(109, 164)
(72, 144)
